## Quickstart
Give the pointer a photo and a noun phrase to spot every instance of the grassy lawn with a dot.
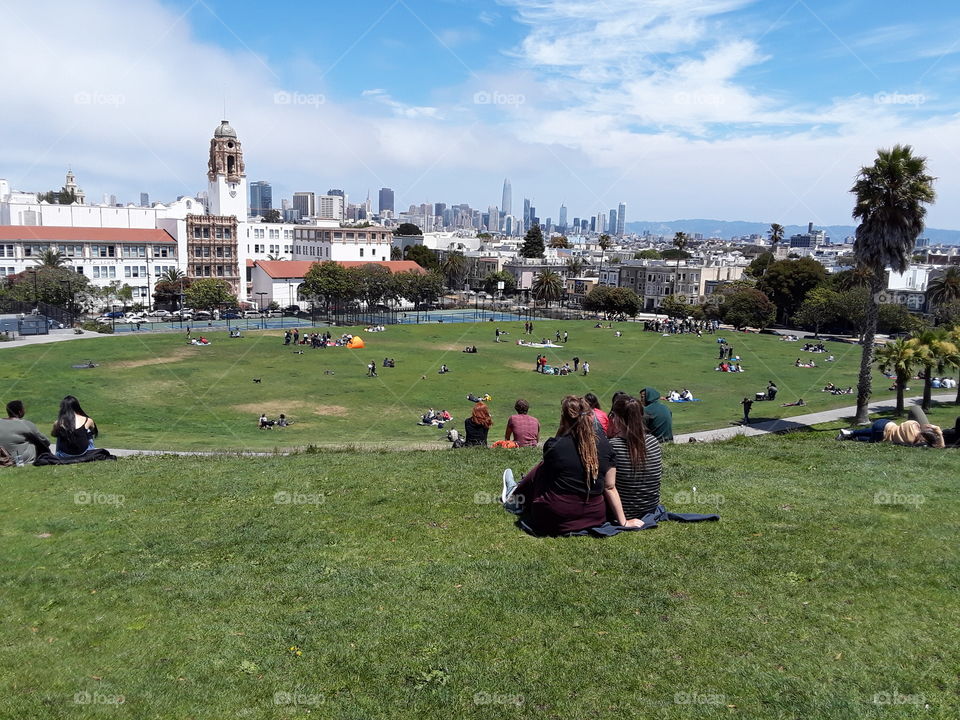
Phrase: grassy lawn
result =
(154, 391)
(185, 587)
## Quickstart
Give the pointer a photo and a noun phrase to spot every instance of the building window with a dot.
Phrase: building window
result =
(6, 251)
(134, 251)
(4, 271)
(103, 251)
(361, 252)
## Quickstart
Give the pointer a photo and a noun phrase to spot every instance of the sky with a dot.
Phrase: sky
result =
(759, 110)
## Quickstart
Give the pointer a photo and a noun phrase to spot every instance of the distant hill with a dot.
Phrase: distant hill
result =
(730, 228)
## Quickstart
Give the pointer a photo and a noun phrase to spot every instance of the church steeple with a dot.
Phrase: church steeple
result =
(226, 157)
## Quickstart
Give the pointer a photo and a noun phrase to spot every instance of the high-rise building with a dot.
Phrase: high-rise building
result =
(438, 209)
(612, 225)
(330, 207)
(593, 223)
(335, 191)
(386, 200)
(261, 197)
(305, 203)
(507, 205)
(576, 226)
(493, 219)
(621, 217)
(562, 224)
(526, 214)
(144, 199)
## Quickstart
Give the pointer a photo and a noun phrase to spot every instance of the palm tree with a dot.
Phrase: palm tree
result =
(547, 287)
(171, 275)
(604, 243)
(575, 266)
(934, 350)
(51, 258)
(454, 270)
(944, 288)
(890, 198)
(898, 357)
(680, 241)
(776, 236)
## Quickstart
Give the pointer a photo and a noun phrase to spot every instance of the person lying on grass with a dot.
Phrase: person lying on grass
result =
(574, 487)
(909, 432)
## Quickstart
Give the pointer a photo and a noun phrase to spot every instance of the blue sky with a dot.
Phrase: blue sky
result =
(732, 109)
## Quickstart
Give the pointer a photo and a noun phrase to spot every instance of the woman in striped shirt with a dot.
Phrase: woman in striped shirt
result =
(638, 458)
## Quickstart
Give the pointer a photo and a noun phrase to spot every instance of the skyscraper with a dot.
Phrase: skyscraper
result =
(507, 205)
(261, 197)
(526, 214)
(305, 203)
(386, 200)
(621, 216)
(562, 223)
(144, 199)
(612, 225)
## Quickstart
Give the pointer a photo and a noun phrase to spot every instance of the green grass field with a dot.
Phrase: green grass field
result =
(156, 392)
(329, 585)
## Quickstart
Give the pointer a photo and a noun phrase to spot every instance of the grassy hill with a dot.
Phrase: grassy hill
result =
(387, 585)
(155, 391)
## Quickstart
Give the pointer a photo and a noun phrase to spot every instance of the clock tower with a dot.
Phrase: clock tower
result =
(226, 174)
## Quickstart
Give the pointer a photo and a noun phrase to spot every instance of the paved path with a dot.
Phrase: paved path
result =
(799, 421)
(54, 336)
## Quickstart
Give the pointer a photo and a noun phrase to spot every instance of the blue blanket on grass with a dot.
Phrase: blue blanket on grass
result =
(650, 521)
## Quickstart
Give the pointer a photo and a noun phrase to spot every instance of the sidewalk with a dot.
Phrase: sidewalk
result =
(798, 422)
(54, 336)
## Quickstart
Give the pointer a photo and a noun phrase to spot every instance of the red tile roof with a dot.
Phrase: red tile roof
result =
(299, 268)
(46, 233)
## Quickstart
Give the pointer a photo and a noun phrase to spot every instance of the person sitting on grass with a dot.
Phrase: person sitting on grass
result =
(574, 487)
(637, 456)
(21, 439)
(523, 427)
(603, 421)
(283, 422)
(658, 417)
(265, 424)
(443, 370)
(686, 395)
(477, 426)
(909, 432)
(74, 429)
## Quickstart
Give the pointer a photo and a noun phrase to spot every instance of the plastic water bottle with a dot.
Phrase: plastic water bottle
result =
(19, 459)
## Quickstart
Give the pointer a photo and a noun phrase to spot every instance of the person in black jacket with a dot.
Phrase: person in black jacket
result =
(477, 426)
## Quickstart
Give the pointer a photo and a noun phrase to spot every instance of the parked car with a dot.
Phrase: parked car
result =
(116, 314)
(273, 313)
(231, 316)
(291, 309)
(159, 314)
(250, 313)
(202, 315)
(135, 319)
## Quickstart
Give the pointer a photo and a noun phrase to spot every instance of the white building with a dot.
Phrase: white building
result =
(330, 207)
(279, 281)
(329, 241)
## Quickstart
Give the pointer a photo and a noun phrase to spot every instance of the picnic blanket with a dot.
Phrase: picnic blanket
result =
(524, 343)
(88, 456)
(690, 400)
(650, 521)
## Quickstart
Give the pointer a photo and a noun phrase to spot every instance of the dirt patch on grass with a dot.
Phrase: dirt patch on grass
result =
(290, 407)
(144, 362)
(517, 365)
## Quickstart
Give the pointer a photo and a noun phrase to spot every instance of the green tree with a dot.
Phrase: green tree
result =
(454, 270)
(748, 307)
(272, 216)
(944, 288)
(560, 241)
(396, 253)
(934, 350)
(890, 199)
(598, 299)
(895, 318)
(422, 256)
(209, 294)
(418, 287)
(674, 254)
(675, 306)
(407, 229)
(47, 284)
(172, 275)
(168, 292)
(329, 281)
(948, 314)
(373, 283)
(547, 287)
(491, 280)
(822, 307)
(898, 357)
(647, 255)
(604, 243)
(617, 301)
(532, 243)
(759, 265)
(574, 266)
(787, 282)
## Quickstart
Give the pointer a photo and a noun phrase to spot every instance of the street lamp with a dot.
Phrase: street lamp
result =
(36, 291)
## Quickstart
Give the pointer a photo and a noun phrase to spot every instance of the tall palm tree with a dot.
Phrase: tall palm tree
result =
(944, 288)
(51, 258)
(898, 357)
(547, 286)
(454, 270)
(934, 350)
(604, 243)
(680, 241)
(776, 236)
(890, 198)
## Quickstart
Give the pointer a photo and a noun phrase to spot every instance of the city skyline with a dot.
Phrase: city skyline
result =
(728, 109)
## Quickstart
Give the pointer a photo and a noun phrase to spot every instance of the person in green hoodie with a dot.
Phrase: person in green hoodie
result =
(658, 417)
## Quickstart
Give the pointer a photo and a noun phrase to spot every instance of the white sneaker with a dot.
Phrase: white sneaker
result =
(509, 485)
(844, 434)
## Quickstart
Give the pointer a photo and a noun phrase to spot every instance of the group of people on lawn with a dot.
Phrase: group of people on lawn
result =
(21, 442)
(600, 466)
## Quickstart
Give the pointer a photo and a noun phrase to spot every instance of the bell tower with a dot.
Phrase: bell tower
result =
(226, 174)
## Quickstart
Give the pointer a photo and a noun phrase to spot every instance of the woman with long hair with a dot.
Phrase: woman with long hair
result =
(638, 458)
(574, 488)
(477, 425)
(74, 429)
